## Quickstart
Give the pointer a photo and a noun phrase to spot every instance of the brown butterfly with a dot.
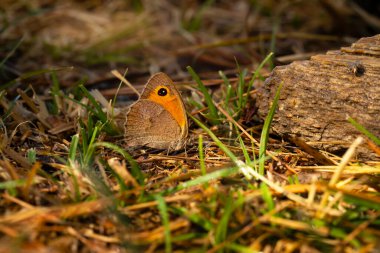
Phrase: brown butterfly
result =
(158, 118)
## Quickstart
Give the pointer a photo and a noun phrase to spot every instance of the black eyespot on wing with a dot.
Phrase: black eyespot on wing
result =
(162, 92)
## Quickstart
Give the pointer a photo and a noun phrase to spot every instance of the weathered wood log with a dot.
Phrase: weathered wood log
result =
(319, 94)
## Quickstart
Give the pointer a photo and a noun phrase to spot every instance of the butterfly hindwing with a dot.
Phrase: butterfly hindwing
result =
(148, 124)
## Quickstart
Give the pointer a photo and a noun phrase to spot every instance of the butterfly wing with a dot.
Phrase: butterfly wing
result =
(161, 79)
(149, 124)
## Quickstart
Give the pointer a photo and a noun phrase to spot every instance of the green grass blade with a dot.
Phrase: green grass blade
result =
(293, 179)
(208, 177)
(217, 141)
(11, 105)
(245, 152)
(240, 248)
(98, 109)
(55, 92)
(71, 164)
(255, 75)
(241, 91)
(11, 184)
(31, 155)
(73, 147)
(187, 237)
(162, 208)
(201, 157)
(364, 131)
(244, 168)
(205, 223)
(89, 152)
(195, 104)
(265, 131)
(361, 202)
(222, 228)
(5, 59)
(267, 196)
(213, 112)
(229, 92)
(273, 39)
(85, 133)
(98, 112)
(230, 205)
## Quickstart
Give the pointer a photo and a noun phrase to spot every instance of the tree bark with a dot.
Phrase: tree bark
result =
(319, 95)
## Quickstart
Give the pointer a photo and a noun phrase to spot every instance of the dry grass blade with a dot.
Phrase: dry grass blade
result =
(345, 159)
(311, 151)
(361, 228)
(29, 181)
(169, 199)
(156, 235)
(122, 79)
(121, 169)
(55, 213)
(297, 225)
(15, 156)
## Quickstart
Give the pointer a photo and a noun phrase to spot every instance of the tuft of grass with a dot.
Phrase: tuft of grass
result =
(212, 114)
(255, 75)
(247, 170)
(88, 147)
(135, 169)
(81, 155)
(237, 100)
(97, 111)
(216, 140)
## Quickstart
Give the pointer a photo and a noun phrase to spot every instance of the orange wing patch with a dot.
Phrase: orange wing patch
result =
(171, 103)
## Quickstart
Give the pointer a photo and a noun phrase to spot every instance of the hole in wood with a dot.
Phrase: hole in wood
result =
(358, 69)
